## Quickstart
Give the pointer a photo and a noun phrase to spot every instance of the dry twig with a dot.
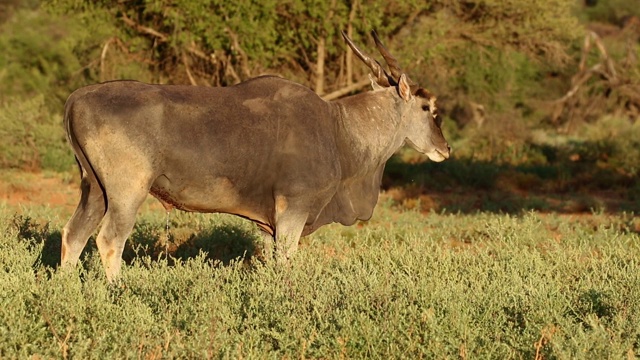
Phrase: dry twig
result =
(185, 61)
(344, 91)
(243, 55)
(604, 80)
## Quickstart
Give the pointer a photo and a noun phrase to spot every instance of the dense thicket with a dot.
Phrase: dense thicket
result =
(503, 63)
(220, 43)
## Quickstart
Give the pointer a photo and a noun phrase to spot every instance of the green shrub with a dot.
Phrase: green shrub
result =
(31, 137)
(611, 11)
(615, 142)
(404, 285)
(37, 57)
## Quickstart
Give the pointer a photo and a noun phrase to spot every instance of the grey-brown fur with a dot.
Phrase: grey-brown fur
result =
(268, 149)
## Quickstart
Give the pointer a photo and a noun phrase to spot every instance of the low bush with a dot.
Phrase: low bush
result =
(404, 285)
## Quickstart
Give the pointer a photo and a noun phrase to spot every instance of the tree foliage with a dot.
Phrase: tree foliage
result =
(218, 42)
(493, 60)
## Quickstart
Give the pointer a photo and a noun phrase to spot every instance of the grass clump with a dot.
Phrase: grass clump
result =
(404, 285)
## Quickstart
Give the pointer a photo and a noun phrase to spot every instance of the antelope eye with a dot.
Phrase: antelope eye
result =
(426, 108)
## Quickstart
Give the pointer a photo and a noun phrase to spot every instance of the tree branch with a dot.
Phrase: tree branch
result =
(143, 29)
(344, 91)
(103, 56)
(349, 53)
(319, 88)
(192, 80)
(243, 55)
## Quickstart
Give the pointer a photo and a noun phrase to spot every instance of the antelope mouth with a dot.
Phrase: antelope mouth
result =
(438, 156)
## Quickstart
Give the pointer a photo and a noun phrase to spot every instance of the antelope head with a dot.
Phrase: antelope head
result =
(420, 123)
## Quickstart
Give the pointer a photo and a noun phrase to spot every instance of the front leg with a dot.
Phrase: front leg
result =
(268, 246)
(290, 221)
(288, 232)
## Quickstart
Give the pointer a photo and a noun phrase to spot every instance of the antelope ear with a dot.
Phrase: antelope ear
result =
(374, 83)
(404, 90)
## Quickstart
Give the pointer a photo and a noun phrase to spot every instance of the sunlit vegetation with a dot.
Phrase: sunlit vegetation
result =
(403, 285)
(525, 244)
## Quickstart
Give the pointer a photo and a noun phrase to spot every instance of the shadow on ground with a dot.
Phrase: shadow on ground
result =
(219, 243)
(577, 180)
(36, 234)
(222, 243)
(560, 185)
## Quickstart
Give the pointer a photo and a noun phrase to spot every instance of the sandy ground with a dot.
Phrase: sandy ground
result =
(61, 193)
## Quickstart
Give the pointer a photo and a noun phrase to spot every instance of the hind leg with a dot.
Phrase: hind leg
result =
(116, 228)
(84, 221)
